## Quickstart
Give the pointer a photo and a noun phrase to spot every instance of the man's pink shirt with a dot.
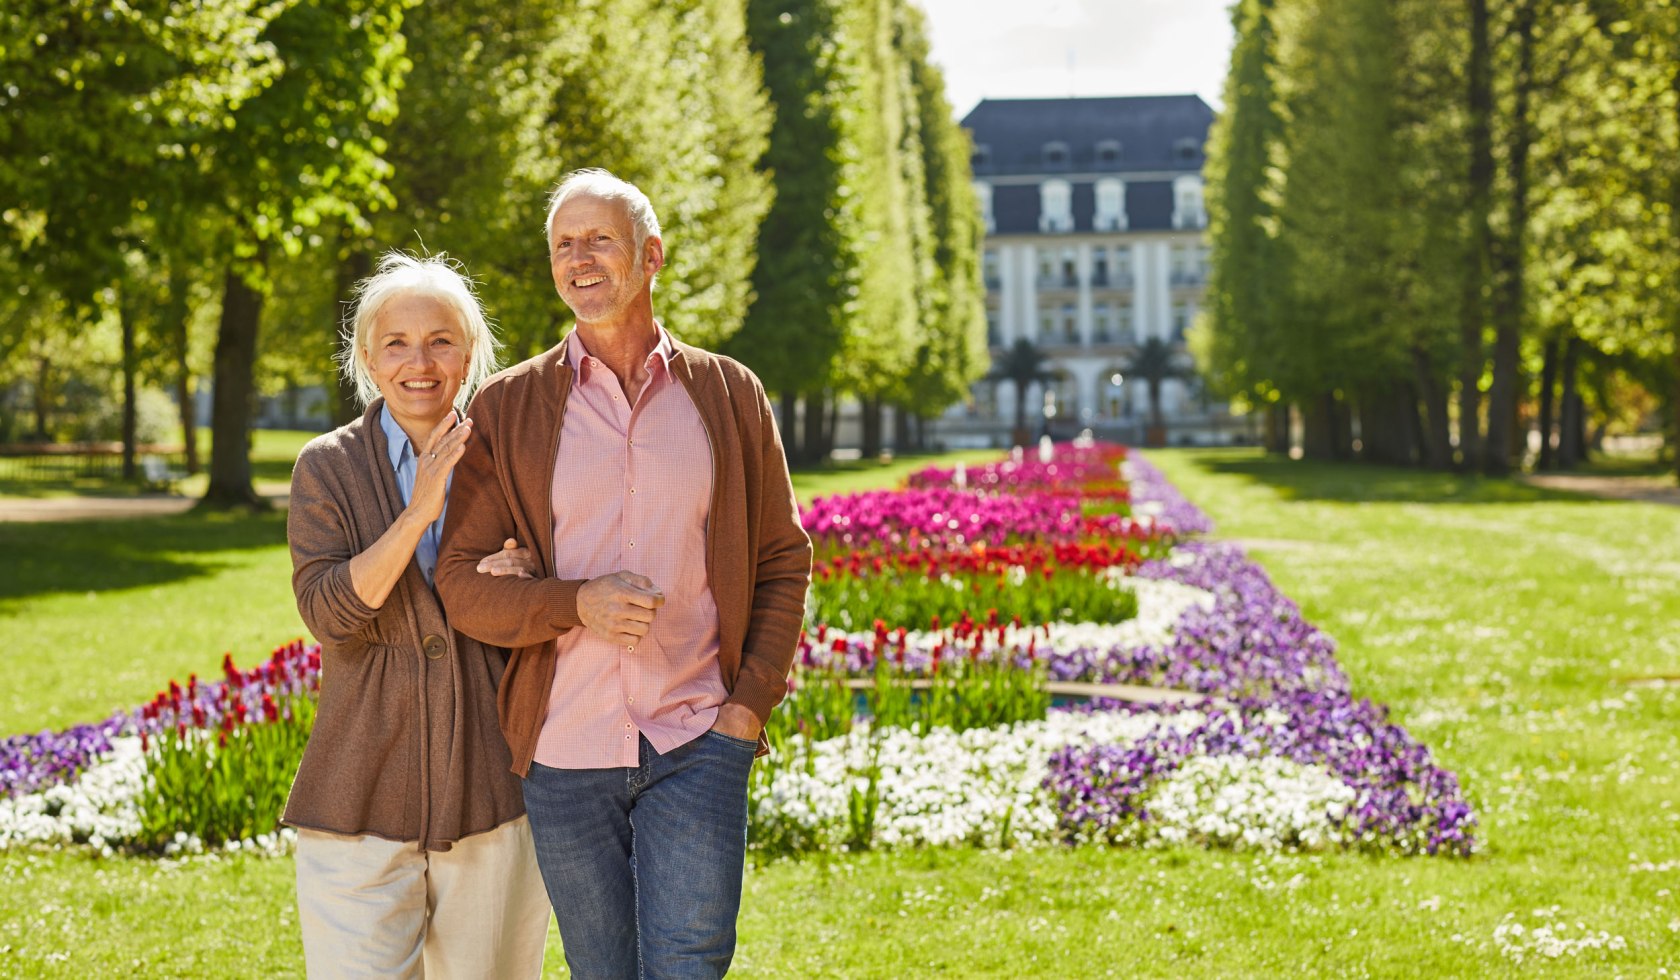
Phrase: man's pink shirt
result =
(632, 491)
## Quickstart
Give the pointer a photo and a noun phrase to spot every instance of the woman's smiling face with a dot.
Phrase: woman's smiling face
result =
(417, 354)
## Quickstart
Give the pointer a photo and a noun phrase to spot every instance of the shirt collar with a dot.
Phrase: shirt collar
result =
(396, 440)
(583, 363)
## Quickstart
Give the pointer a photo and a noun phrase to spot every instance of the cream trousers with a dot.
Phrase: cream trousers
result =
(371, 907)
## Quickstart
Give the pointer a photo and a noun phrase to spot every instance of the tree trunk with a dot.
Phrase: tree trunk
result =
(175, 317)
(1275, 436)
(1435, 446)
(1569, 423)
(901, 429)
(1508, 282)
(1020, 436)
(831, 430)
(1342, 414)
(1479, 202)
(43, 372)
(1548, 406)
(125, 313)
(788, 403)
(1318, 428)
(233, 396)
(869, 410)
(354, 265)
(1387, 424)
(815, 449)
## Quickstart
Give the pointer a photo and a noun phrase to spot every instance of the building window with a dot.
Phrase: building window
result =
(1114, 394)
(1055, 154)
(989, 268)
(983, 197)
(1185, 150)
(1055, 198)
(1102, 323)
(1180, 321)
(1046, 325)
(1187, 203)
(1187, 265)
(1070, 324)
(981, 156)
(994, 330)
(1122, 272)
(1063, 398)
(1111, 205)
(1108, 152)
(1046, 267)
(1070, 268)
(1099, 266)
(1123, 324)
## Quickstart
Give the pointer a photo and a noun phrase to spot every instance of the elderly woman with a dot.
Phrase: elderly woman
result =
(414, 856)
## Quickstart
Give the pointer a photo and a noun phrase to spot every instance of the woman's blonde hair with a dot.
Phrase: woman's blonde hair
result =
(402, 274)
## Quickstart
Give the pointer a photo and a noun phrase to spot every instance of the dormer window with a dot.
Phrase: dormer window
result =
(1055, 154)
(1188, 209)
(1055, 210)
(981, 156)
(1111, 205)
(1185, 150)
(1108, 152)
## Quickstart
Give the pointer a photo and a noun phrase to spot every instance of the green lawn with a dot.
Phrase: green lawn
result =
(1495, 619)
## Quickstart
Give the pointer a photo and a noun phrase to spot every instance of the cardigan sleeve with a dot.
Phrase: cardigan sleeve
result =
(318, 523)
(503, 611)
(782, 575)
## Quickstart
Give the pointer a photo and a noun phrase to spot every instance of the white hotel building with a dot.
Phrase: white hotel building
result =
(1095, 242)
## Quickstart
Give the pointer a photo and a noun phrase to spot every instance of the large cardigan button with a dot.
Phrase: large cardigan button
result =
(434, 646)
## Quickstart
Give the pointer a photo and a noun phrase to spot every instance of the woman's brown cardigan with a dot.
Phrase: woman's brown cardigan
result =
(406, 745)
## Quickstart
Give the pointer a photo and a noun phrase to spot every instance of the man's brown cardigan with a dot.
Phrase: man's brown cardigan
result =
(405, 744)
(758, 557)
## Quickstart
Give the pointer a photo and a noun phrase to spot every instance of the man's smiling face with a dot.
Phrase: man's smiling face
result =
(597, 268)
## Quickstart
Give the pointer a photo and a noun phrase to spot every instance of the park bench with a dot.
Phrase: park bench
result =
(158, 474)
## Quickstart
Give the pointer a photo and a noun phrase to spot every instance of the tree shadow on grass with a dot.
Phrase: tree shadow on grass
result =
(1354, 482)
(107, 555)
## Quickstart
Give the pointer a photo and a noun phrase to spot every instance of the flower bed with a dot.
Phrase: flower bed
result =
(1278, 756)
(918, 712)
(200, 765)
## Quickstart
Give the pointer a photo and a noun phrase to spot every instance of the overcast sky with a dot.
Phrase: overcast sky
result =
(1052, 48)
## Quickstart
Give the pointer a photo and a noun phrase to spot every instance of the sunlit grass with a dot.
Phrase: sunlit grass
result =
(1496, 620)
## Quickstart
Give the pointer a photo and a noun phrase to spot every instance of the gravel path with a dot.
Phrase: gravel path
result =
(1650, 489)
(34, 510)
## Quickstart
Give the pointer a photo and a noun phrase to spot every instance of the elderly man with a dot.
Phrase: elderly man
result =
(649, 478)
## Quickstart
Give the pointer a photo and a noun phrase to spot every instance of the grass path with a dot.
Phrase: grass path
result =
(1493, 617)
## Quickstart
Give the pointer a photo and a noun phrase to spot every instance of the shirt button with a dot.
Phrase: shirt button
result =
(632, 544)
(632, 490)
(631, 700)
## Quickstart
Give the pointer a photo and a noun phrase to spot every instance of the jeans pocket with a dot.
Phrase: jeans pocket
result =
(740, 743)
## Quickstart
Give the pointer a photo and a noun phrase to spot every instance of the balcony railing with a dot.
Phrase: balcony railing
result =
(1112, 280)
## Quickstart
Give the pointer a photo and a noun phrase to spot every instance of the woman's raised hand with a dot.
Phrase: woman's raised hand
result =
(445, 446)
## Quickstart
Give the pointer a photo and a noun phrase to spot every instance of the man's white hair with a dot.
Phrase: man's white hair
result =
(402, 274)
(595, 182)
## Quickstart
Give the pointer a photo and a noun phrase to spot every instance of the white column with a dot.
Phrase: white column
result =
(1083, 262)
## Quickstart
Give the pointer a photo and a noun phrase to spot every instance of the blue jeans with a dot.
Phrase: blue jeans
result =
(643, 865)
